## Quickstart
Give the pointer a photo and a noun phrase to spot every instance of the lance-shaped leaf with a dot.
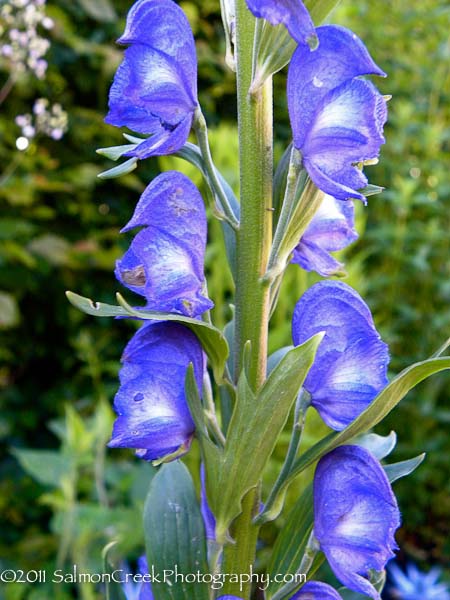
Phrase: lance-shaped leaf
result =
(256, 423)
(155, 88)
(174, 534)
(211, 338)
(401, 469)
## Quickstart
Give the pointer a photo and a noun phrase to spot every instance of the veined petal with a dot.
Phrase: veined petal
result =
(356, 529)
(173, 204)
(148, 85)
(291, 13)
(340, 57)
(155, 88)
(161, 269)
(350, 367)
(331, 229)
(165, 140)
(347, 129)
(315, 590)
(163, 26)
(165, 260)
(153, 415)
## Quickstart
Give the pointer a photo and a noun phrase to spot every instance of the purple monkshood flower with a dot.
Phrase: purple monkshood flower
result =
(355, 516)
(313, 590)
(291, 13)
(153, 415)
(165, 260)
(337, 118)
(351, 362)
(141, 590)
(331, 229)
(155, 88)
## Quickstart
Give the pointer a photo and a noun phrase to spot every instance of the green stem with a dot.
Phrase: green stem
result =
(253, 247)
(295, 167)
(225, 212)
(301, 406)
(312, 548)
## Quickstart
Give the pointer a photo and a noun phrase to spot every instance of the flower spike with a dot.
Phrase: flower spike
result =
(337, 119)
(355, 516)
(155, 88)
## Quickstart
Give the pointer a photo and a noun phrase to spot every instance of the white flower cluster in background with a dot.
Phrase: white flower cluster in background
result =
(21, 43)
(48, 119)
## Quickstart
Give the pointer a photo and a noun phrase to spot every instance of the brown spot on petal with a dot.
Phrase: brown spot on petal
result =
(134, 276)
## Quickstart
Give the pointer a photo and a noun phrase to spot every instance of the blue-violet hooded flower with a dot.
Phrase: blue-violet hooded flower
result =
(291, 13)
(337, 118)
(155, 88)
(350, 367)
(165, 260)
(331, 229)
(355, 516)
(153, 415)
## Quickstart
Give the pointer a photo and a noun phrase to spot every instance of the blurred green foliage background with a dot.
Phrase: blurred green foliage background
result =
(59, 230)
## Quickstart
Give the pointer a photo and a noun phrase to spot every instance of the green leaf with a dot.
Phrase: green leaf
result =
(255, 426)
(291, 542)
(371, 190)
(211, 338)
(174, 534)
(194, 402)
(386, 400)
(97, 309)
(100, 10)
(380, 446)
(115, 152)
(397, 470)
(122, 169)
(46, 466)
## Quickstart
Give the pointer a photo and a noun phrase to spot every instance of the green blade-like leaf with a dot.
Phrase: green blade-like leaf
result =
(291, 542)
(194, 402)
(122, 169)
(48, 467)
(380, 446)
(255, 426)
(211, 338)
(397, 470)
(96, 309)
(174, 534)
(115, 152)
(386, 400)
